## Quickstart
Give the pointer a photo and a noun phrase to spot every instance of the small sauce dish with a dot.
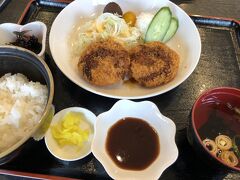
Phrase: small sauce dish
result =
(71, 152)
(150, 114)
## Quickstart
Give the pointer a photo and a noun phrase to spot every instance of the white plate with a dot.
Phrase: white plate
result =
(186, 43)
(149, 112)
(66, 153)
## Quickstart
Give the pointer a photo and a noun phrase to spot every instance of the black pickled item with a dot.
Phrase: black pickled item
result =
(113, 8)
(28, 42)
(126, 140)
(218, 66)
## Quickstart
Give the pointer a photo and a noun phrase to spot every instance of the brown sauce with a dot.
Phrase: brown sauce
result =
(132, 144)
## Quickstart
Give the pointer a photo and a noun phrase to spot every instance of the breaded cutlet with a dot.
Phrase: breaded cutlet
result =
(153, 64)
(104, 62)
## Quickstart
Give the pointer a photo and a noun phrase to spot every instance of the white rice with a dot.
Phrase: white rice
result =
(22, 103)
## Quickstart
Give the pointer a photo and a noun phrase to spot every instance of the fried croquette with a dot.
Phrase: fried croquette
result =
(104, 62)
(153, 64)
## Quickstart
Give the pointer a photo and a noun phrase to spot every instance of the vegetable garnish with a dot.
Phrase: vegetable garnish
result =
(225, 148)
(171, 30)
(69, 130)
(130, 18)
(105, 26)
(162, 27)
(223, 142)
(229, 158)
(236, 145)
(211, 146)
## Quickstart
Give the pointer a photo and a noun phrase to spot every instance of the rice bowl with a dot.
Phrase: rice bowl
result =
(22, 104)
(16, 60)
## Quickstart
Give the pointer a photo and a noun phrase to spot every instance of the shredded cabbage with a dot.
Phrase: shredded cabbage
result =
(104, 26)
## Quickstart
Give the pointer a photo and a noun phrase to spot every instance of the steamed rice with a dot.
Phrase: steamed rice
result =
(21, 107)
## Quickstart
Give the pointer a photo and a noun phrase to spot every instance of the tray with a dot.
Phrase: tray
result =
(219, 66)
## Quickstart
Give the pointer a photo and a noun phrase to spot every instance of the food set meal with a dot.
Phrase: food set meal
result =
(116, 47)
(111, 49)
(72, 42)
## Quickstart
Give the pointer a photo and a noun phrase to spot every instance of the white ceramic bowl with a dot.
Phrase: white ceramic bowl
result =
(149, 112)
(64, 153)
(37, 28)
(186, 42)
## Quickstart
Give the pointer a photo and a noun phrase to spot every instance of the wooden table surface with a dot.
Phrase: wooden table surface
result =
(217, 8)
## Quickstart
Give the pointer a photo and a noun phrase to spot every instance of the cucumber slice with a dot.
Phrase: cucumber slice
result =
(171, 30)
(159, 25)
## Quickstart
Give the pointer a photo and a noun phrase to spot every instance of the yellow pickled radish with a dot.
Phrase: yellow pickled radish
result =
(130, 18)
(68, 130)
